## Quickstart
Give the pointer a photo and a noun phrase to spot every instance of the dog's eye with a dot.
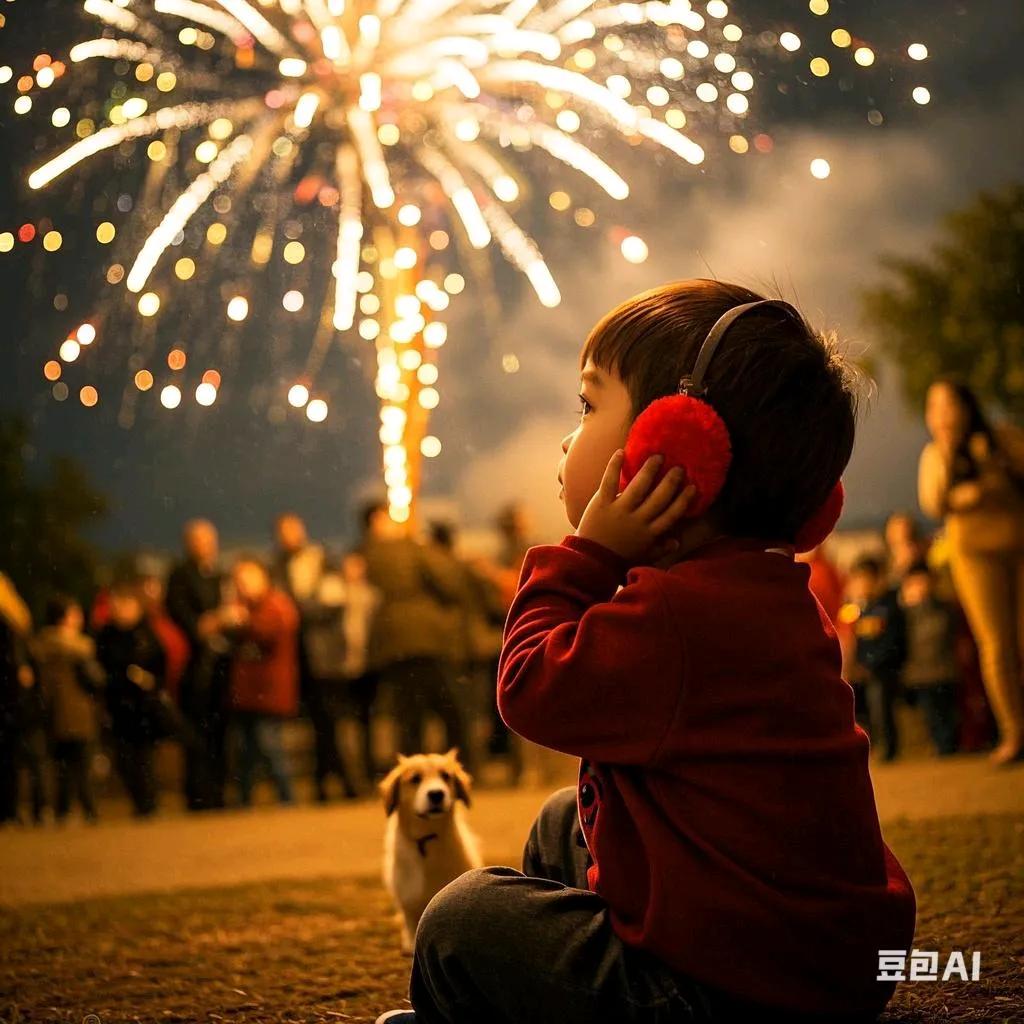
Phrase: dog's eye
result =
(415, 778)
(445, 776)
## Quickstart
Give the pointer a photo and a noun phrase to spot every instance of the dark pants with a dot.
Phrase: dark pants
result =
(134, 759)
(202, 703)
(498, 945)
(361, 699)
(421, 687)
(24, 749)
(881, 700)
(327, 757)
(73, 778)
(260, 743)
(938, 702)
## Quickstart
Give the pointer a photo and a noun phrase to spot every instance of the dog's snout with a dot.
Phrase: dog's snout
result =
(435, 796)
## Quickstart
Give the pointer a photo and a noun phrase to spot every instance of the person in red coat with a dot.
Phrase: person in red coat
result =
(720, 857)
(264, 680)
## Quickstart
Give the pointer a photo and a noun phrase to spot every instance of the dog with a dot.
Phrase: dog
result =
(427, 843)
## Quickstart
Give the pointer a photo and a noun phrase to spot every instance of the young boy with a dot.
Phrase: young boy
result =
(721, 856)
(880, 635)
(929, 673)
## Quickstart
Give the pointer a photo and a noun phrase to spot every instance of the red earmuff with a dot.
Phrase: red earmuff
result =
(689, 433)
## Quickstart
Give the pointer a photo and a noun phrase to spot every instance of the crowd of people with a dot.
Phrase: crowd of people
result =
(409, 628)
(220, 662)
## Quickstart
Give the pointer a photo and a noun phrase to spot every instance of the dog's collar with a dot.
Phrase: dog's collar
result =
(421, 843)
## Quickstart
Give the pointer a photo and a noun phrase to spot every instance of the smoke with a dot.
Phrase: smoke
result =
(767, 223)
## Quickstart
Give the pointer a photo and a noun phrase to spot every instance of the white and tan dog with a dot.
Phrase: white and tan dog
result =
(427, 843)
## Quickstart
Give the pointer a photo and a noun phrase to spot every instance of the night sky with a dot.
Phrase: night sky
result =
(758, 219)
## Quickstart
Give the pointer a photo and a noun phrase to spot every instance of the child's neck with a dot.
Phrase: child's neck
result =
(691, 536)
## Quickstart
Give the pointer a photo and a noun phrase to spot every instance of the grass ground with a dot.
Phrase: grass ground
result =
(324, 949)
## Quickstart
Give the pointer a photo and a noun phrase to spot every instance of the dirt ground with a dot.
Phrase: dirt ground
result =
(319, 944)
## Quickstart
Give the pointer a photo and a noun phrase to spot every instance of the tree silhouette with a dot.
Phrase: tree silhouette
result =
(961, 308)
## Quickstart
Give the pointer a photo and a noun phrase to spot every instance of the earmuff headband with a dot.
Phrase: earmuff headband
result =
(693, 384)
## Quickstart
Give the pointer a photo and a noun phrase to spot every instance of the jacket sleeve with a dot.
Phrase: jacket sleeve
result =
(272, 621)
(583, 669)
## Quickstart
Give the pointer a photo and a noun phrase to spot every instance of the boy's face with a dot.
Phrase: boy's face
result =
(606, 415)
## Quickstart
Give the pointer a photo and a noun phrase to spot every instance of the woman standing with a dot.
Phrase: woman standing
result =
(970, 476)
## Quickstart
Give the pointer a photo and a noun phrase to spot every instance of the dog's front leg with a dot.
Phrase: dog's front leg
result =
(409, 922)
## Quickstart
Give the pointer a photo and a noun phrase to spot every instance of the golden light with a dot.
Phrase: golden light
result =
(298, 395)
(921, 95)
(45, 77)
(559, 201)
(238, 308)
(149, 304)
(52, 241)
(176, 359)
(134, 107)
(216, 233)
(292, 67)
(733, 33)
(409, 215)
(672, 68)
(86, 334)
(818, 7)
(429, 398)
(717, 9)
(917, 51)
(789, 41)
(69, 350)
(185, 269)
(6, 241)
(454, 283)
(510, 362)
(105, 233)
(706, 92)
(634, 249)
(61, 117)
(738, 144)
(220, 129)
(368, 329)
(864, 56)
(410, 359)
(430, 446)
(115, 273)
(206, 393)
(316, 411)
(206, 151)
(293, 301)
(6, 74)
(294, 253)
(820, 67)
(725, 62)
(170, 396)
(166, 81)
(52, 370)
(143, 380)
(156, 151)
(405, 258)
(212, 377)
(88, 396)
(820, 168)
(737, 103)
(841, 38)
(435, 334)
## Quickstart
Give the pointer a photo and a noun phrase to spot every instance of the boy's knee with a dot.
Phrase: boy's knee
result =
(461, 915)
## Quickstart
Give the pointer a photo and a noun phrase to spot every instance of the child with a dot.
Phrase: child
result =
(880, 633)
(135, 663)
(70, 678)
(929, 673)
(721, 856)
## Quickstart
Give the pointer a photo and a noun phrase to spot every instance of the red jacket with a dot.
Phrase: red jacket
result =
(265, 668)
(724, 791)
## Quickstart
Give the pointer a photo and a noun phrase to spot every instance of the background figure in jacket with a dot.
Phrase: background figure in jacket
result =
(410, 641)
(71, 679)
(134, 662)
(880, 634)
(264, 677)
(22, 710)
(194, 603)
(172, 639)
(299, 572)
(904, 545)
(971, 475)
(929, 673)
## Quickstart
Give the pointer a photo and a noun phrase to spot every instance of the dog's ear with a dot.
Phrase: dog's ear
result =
(389, 788)
(463, 783)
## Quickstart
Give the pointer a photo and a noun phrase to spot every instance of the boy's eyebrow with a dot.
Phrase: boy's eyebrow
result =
(591, 377)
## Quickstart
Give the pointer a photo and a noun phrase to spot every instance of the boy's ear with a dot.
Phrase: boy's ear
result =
(389, 787)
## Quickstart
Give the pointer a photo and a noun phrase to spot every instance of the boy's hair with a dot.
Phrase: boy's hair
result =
(57, 608)
(786, 395)
(867, 565)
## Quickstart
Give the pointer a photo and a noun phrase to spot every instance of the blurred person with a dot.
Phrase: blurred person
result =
(264, 676)
(195, 605)
(904, 544)
(879, 631)
(410, 638)
(299, 571)
(22, 710)
(172, 638)
(71, 679)
(135, 664)
(971, 476)
(929, 672)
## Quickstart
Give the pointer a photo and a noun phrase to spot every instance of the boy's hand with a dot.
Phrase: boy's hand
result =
(632, 524)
